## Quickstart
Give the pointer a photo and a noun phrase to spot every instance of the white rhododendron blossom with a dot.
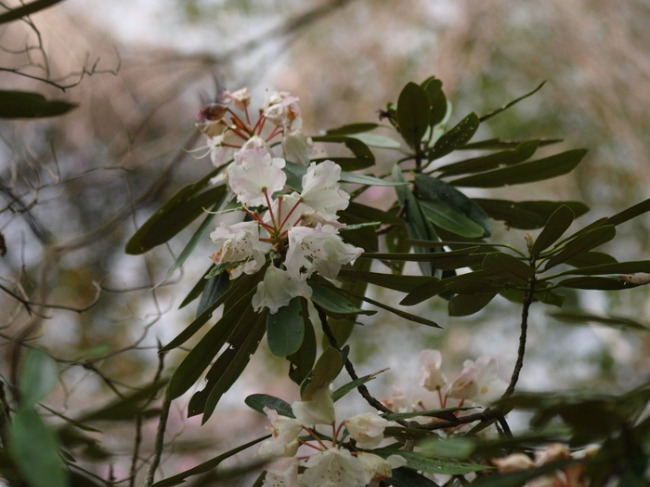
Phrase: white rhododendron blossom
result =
(255, 176)
(278, 288)
(479, 381)
(367, 429)
(283, 110)
(240, 244)
(325, 459)
(320, 190)
(432, 377)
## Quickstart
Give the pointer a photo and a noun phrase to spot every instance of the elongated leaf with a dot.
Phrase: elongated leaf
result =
(520, 153)
(302, 361)
(557, 224)
(454, 259)
(355, 178)
(350, 386)
(487, 116)
(285, 330)
(527, 215)
(421, 463)
(526, 172)
(601, 283)
(25, 104)
(506, 144)
(353, 128)
(584, 243)
(327, 369)
(455, 138)
(413, 114)
(355, 145)
(206, 467)
(366, 213)
(377, 140)
(508, 266)
(406, 477)
(38, 376)
(35, 450)
(214, 288)
(629, 213)
(613, 268)
(468, 304)
(258, 402)
(232, 362)
(582, 317)
(332, 301)
(588, 259)
(452, 207)
(187, 205)
(397, 282)
(402, 314)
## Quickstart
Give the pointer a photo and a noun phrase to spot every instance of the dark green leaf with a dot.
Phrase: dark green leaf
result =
(614, 268)
(334, 302)
(356, 146)
(629, 213)
(527, 215)
(405, 477)
(437, 100)
(175, 215)
(584, 243)
(356, 178)
(487, 116)
(38, 376)
(526, 172)
(302, 361)
(557, 224)
(35, 450)
(419, 462)
(454, 259)
(206, 467)
(583, 317)
(25, 10)
(448, 414)
(459, 206)
(214, 288)
(506, 144)
(468, 304)
(520, 153)
(402, 314)
(260, 401)
(25, 104)
(397, 282)
(377, 140)
(589, 259)
(601, 283)
(413, 114)
(456, 137)
(327, 369)
(350, 386)
(362, 213)
(353, 128)
(285, 330)
(508, 266)
(444, 216)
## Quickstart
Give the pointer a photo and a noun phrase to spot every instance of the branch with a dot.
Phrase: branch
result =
(25, 10)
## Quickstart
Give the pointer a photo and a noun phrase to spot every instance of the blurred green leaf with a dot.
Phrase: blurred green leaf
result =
(327, 369)
(405, 477)
(487, 116)
(527, 215)
(496, 144)
(583, 317)
(350, 386)
(454, 259)
(584, 243)
(557, 224)
(413, 114)
(613, 268)
(355, 145)
(526, 172)
(302, 361)
(629, 213)
(285, 330)
(455, 138)
(398, 282)
(438, 105)
(334, 302)
(353, 128)
(39, 374)
(25, 104)
(601, 283)
(35, 450)
(184, 207)
(508, 266)
(377, 140)
(520, 153)
(258, 402)
(356, 178)
(214, 288)
(589, 259)
(468, 304)
(421, 463)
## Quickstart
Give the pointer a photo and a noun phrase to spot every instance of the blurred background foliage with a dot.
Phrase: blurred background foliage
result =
(75, 187)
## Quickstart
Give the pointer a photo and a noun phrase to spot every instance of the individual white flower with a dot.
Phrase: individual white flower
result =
(255, 173)
(367, 429)
(284, 435)
(283, 110)
(320, 190)
(222, 145)
(318, 249)
(334, 467)
(283, 472)
(297, 147)
(277, 289)
(479, 381)
(398, 402)
(376, 468)
(240, 98)
(432, 377)
(240, 242)
(319, 409)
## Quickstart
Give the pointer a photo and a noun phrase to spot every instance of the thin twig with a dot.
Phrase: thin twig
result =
(160, 440)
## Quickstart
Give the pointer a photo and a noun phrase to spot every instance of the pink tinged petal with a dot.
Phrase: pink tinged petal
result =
(513, 463)
(277, 289)
(319, 409)
(253, 173)
(431, 378)
(479, 381)
(366, 429)
(284, 436)
(297, 147)
(376, 468)
(240, 98)
(334, 467)
(320, 190)
(282, 473)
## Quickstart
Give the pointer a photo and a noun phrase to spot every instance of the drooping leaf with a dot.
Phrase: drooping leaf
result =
(302, 361)
(583, 317)
(355, 145)
(406, 477)
(487, 116)
(184, 207)
(353, 128)
(629, 213)
(444, 216)
(600, 283)
(214, 288)
(555, 227)
(258, 402)
(285, 330)
(350, 386)
(519, 478)
(38, 376)
(527, 215)
(455, 259)
(496, 144)
(520, 153)
(613, 268)
(437, 100)
(526, 172)
(413, 114)
(35, 450)
(398, 282)
(332, 301)
(421, 463)
(327, 368)
(377, 140)
(27, 9)
(356, 178)
(25, 104)
(456, 137)
(584, 243)
(508, 266)
(468, 304)
(588, 259)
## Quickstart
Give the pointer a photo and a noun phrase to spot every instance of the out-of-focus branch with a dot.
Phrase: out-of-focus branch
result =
(25, 10)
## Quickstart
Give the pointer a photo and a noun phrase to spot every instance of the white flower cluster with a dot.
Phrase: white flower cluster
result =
(478, 383)
(292, 235)
(332, 464)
